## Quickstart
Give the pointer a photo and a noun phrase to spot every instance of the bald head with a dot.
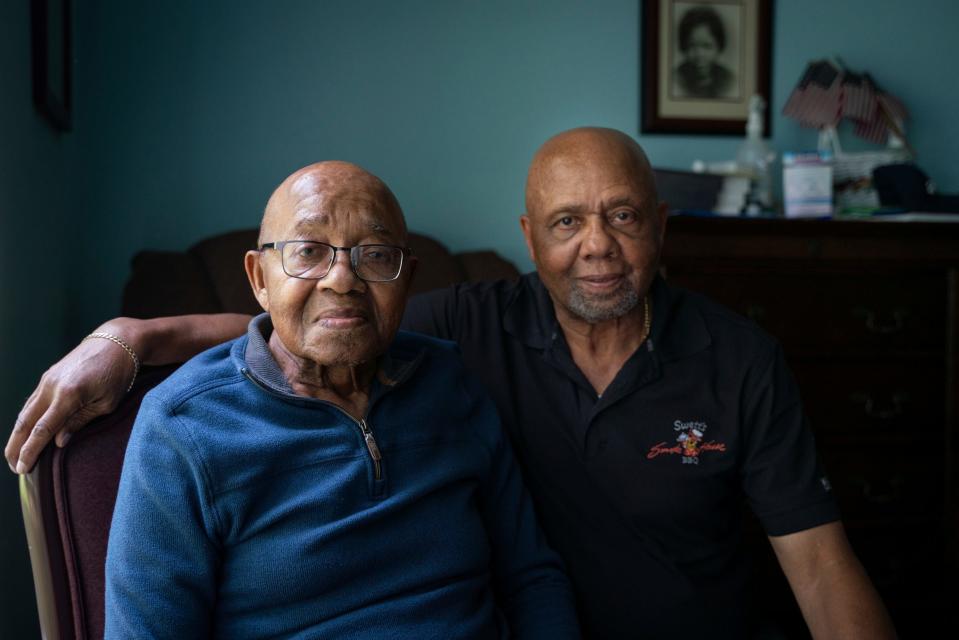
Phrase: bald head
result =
(331, 307)
(582, 150)
(593, 225)
(319, 187)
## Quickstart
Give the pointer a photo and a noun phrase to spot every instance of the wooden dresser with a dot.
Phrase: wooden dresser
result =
(868, 315)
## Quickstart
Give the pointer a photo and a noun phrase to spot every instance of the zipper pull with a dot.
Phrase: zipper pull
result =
(371, 447)
(371, 442)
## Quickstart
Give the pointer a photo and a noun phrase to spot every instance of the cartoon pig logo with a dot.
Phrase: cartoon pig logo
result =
(689, 440)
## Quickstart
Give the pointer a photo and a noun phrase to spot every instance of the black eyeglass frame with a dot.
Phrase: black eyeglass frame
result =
(404, 251)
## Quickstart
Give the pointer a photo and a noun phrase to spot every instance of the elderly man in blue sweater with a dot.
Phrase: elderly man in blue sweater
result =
(324, 476)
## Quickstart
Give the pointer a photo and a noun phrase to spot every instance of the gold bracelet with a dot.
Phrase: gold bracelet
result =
(125, 346)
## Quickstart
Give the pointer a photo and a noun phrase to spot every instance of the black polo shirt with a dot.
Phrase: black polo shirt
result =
(641, 490)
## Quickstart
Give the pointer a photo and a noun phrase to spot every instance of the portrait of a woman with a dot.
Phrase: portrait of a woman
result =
(702, 39)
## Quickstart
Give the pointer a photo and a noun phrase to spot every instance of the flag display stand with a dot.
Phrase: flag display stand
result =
(828, 93)
(853, 188)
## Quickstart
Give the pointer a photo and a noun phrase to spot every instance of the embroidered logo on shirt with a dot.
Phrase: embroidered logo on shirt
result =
(690, 443)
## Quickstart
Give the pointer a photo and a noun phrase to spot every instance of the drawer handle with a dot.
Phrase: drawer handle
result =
(873, 409)
(875, 325)
(871, 495)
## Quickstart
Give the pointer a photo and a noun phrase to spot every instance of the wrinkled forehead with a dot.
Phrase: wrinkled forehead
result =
(345, 202)
(598, 167)
(598, 153)
(598, 171)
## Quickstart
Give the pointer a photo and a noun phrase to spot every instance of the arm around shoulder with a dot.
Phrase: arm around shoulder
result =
(177, 338)
(91, 379)
(432, 313)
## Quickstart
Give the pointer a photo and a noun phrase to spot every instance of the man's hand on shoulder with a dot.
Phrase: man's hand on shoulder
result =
(86, 383)
(90, 380)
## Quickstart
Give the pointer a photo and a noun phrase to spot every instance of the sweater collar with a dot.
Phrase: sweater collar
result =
(395, 366)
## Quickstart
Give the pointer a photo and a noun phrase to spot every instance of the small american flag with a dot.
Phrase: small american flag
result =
(887, 117)
(827, 93)
(858, 97)
(816, 100)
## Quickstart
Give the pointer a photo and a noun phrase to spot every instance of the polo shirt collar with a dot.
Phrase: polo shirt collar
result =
(678, 329)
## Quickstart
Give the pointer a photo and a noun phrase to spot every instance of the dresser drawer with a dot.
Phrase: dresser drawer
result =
(867, 313)
(887, 483)
(823, 312)
(904, 397)
(902, 558)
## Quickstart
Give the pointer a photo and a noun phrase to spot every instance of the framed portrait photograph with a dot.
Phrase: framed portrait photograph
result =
(702, 60)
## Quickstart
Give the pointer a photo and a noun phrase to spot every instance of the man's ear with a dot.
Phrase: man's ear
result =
(254, 273)
(526, 225)
(662, 213)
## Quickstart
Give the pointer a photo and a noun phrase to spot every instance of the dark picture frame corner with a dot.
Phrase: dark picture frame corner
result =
(52, 59)
(701, 61)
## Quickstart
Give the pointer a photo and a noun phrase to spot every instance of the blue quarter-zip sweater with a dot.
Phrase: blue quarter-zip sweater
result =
(246, 511)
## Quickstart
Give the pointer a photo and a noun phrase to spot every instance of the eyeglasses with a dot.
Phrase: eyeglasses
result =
(311, 260)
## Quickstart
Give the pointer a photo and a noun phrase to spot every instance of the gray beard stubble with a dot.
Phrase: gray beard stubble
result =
(601, 308)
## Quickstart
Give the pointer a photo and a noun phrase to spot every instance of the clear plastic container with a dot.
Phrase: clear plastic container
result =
(755, 158)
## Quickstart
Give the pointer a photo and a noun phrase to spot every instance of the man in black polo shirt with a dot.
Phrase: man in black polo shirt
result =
(643, 416)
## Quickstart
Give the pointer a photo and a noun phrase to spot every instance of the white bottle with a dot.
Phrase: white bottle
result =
(754, 159)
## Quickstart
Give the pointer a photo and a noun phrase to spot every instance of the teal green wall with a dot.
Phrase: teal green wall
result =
(188, 113)
(203, 107)
(37, 217)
